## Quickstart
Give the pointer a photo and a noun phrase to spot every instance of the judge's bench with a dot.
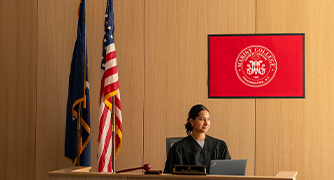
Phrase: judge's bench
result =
(83, 173)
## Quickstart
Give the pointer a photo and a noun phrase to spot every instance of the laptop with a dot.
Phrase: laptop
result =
(228, 167)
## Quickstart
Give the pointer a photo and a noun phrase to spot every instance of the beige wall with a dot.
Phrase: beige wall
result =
(18, 77)
(176, 74)
(161, 48)
(298, 134)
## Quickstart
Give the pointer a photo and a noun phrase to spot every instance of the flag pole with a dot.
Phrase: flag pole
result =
(113, 135)
(79, 134)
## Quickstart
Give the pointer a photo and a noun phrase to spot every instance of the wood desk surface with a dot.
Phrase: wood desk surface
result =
(82, 173)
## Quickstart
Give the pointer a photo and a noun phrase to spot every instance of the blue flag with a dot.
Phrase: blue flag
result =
(78, 92)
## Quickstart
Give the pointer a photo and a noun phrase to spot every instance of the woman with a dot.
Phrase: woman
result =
(197, 148)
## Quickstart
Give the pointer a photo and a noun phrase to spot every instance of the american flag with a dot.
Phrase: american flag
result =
(109, 88)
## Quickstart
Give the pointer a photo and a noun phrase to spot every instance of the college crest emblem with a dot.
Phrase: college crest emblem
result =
(256, 66)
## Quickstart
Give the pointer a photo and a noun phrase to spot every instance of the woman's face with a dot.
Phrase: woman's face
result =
(201, 123)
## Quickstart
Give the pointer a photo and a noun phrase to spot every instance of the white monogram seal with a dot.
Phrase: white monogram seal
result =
(256, 66)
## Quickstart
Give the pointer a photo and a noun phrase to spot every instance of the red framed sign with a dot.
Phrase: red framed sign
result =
(256, 66)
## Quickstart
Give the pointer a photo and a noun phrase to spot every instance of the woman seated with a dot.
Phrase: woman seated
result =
(197, 148)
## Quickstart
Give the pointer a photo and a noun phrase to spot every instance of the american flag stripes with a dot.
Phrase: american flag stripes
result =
(109, 89)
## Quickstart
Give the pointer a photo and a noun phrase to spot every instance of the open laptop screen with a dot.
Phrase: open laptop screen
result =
(228, 167)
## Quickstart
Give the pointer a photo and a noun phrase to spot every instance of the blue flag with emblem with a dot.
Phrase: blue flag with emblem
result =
(78, 96)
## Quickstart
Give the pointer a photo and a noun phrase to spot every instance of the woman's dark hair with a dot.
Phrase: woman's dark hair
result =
(193, 113)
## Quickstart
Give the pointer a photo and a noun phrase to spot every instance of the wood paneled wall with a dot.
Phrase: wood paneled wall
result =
(298, 134)
(18, 54)
(176, 74)
(161, 50)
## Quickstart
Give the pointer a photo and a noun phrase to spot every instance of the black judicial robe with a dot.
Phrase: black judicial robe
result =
(188, 152)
